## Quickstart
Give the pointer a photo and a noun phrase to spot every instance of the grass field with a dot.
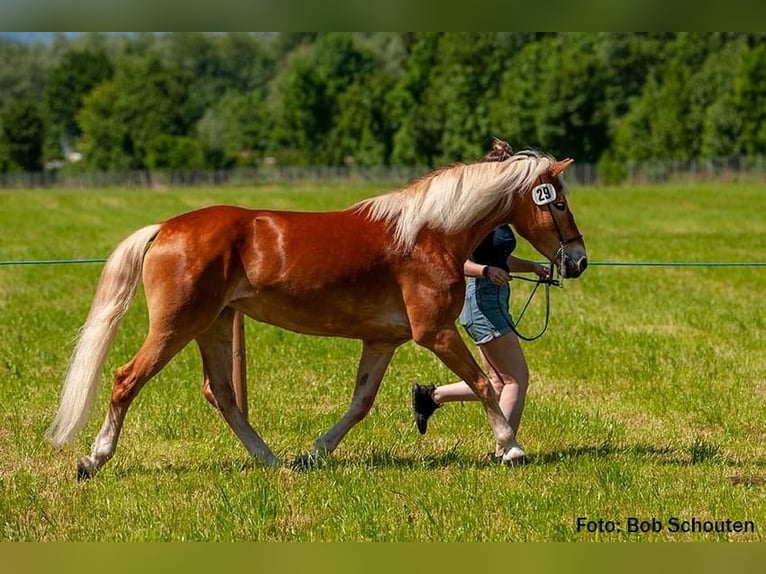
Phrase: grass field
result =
(648, 394)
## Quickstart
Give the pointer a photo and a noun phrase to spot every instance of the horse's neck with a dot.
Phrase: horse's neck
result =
(462, 244)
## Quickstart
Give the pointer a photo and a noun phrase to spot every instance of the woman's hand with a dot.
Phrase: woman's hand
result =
(497, 275)
(542, 271)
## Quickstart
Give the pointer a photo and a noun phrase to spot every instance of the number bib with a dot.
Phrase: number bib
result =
(544, 194)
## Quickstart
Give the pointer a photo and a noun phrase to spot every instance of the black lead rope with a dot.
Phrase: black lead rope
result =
(539, 281)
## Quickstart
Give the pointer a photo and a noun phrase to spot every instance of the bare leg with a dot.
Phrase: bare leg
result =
(372, 366)
(216, 349)
(504, 360)
(461, 392)
(450, 348)
(506, 357)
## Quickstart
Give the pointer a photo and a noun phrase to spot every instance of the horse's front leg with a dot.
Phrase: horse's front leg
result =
(445, 343)
(372, 366)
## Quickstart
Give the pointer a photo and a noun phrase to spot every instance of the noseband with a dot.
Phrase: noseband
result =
(562, 242)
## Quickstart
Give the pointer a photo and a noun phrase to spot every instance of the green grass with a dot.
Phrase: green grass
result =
(648, 393)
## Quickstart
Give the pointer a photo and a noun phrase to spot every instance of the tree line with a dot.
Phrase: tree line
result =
(213, 101)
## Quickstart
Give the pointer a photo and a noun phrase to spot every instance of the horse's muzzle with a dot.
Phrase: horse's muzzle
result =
(575, 262)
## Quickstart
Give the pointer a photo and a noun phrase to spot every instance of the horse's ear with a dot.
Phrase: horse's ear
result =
(558, 168)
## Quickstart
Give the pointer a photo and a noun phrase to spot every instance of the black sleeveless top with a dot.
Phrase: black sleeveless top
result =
(495, 248)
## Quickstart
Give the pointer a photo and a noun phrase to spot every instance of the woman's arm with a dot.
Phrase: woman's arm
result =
(526, 266)
(473, 269)
(497, 275)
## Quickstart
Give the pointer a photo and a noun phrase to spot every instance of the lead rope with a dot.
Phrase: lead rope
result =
(538, 281)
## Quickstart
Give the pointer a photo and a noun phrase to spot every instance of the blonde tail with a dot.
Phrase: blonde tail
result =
(116, 289)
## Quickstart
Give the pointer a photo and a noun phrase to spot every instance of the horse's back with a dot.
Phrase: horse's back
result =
(328, 273)
(273, 244)
(308, 249)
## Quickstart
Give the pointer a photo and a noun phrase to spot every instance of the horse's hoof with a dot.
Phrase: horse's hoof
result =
(273, 462)
(85, 469)
(518, 461)
(308, 462)
(515, 456)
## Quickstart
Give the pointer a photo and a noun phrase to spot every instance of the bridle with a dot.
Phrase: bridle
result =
(501, 151)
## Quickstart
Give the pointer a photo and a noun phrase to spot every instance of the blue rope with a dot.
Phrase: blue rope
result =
(676, 264)
(52, 261)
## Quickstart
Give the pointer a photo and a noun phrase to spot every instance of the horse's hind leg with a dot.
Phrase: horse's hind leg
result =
(372, 366)
(153, 355)
(215, 345)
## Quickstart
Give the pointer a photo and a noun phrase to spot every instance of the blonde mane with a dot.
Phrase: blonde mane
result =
(454, 198)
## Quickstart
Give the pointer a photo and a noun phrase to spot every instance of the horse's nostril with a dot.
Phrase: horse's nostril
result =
(574, 268)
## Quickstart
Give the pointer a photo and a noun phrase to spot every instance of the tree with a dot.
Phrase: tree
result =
(463, 85)
(287, 43)
(120, 117)
(168, 152)
(298, 109)
(513, 113)
(69, 82)
(417, 125)
(236, 130)
(712, 94)
(749, 99)
(361, 133)
(646, 132)
(308, 93)
(128, 100)
(196, 56)
(248, 62)
(572, 117)
(21, 136)
(23, 71)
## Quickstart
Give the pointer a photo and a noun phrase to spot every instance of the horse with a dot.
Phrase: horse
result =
(386, 270)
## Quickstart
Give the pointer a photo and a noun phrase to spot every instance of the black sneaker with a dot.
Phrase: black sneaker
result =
(423, 405)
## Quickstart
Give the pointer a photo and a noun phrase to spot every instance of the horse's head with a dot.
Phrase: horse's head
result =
(542, 216)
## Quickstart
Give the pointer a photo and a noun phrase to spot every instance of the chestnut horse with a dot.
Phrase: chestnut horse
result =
(386, 270)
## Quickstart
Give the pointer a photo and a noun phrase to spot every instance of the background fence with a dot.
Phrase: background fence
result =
(712, 169)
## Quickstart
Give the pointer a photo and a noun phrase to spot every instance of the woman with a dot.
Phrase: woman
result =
(488, 322)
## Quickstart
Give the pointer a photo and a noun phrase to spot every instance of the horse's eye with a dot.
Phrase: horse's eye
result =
(560, 205)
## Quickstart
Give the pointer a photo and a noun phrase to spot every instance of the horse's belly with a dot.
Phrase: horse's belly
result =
(368, 318)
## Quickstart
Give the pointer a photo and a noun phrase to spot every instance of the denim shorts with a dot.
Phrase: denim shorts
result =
(485, 314)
